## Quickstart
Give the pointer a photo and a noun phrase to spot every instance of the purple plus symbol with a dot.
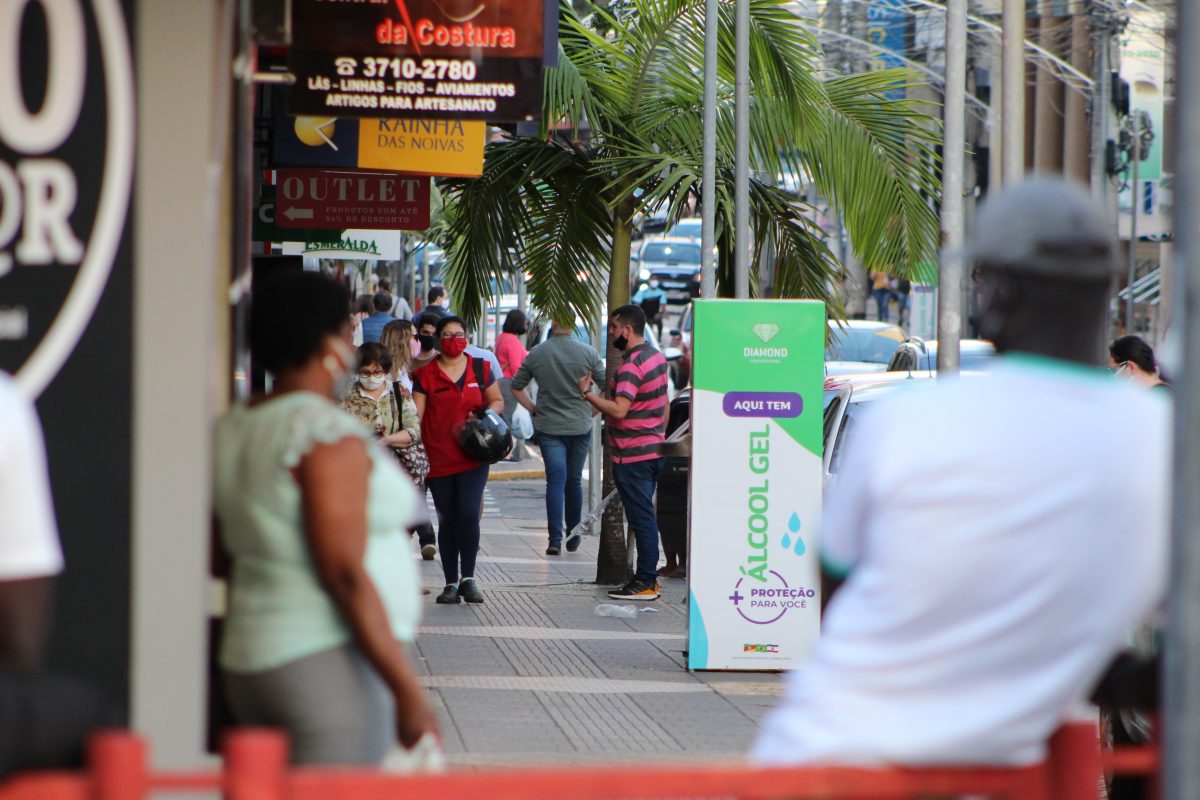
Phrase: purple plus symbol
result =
(736, 597)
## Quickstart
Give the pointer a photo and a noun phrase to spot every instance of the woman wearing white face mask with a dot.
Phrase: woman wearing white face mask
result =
(313, 517)
(392, 419)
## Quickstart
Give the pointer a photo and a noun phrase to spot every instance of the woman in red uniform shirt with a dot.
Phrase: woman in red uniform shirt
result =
(447, 391)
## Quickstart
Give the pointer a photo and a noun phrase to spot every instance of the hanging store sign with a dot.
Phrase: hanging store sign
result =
(754, 573)
(443, 147)
(315, 198)
(264, 228)
(443, 59)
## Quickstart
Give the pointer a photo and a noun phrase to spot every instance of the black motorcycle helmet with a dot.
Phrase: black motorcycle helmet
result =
(486, 437)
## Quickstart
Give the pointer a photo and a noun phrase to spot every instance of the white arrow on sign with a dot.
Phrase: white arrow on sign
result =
(298, 213)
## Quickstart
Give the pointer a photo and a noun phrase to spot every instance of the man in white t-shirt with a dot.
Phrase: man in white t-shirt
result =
(997, 536)
(43, 720)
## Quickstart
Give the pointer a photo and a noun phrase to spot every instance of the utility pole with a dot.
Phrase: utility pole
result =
(1013, 90)
(950, 279)
(1181, 703)
(743, 241)
(708, 182)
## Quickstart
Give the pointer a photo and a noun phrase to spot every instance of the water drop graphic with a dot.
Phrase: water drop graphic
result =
(786, 541)
(794, 523)
(799, 546)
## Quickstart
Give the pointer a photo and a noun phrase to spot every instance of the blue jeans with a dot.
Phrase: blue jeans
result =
(883, 297)
(564, 457)
(637, 483)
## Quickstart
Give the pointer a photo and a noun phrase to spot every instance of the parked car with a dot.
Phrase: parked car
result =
(675, 264)
(845, 396)
(916, 355)
(860, 345)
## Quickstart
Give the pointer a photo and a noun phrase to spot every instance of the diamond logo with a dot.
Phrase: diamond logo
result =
(766, 331)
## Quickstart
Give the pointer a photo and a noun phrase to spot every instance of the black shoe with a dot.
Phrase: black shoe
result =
(450, 595)
(468, 591)
(552, 550)
(573, 542)
(636, 590)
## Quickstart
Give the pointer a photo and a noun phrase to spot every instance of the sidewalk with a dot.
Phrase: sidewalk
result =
(534, 676)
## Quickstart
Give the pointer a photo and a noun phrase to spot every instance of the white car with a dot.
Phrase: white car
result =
(860, 345)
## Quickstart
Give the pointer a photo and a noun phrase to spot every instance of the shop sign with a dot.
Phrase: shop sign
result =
(443, 147)
(755, 601)
(313, 198)
(445, 59)
(264, 228)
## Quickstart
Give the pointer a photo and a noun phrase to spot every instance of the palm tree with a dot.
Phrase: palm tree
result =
(630, 73)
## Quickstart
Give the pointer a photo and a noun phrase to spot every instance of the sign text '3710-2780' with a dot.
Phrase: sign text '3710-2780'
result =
(448, 59)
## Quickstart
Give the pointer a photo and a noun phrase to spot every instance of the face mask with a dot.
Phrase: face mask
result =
(372, 383)
(427, 342)
(621, 342)
(453, 348)
(338, 366)
(414, 347)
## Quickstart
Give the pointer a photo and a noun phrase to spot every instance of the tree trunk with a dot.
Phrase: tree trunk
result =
(612, 561)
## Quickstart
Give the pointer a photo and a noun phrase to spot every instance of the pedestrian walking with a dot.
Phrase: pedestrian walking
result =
(438, 302)
(399, 337)
(511, 352)
(1131, 358)
(361, 309)
(388, 410)
(635, 411)
(903, 295)
(449, 391)
(881, 291)
(373, 325)
(313, 514)
(427, 326)
(975, 645)
(651, 299)
(563, 422)
(400, 308)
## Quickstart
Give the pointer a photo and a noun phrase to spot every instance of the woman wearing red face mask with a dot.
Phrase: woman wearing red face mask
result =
(447, 391)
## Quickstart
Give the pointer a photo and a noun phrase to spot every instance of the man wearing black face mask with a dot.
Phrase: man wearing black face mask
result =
(635, 409)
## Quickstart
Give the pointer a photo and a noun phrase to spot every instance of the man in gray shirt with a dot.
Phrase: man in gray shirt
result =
(563, 420)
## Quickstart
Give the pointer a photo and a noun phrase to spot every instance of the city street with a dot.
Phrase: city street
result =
(534, 676)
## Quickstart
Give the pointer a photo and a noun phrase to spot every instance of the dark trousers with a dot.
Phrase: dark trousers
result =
(45, 721)
(459, 499)
(636, 483)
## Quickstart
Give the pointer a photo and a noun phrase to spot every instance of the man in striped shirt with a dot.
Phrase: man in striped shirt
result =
(635, 408)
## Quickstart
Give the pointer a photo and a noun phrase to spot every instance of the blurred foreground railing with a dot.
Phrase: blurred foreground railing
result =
(255, 768)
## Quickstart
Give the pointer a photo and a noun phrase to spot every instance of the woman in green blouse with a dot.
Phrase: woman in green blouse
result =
(313, 515)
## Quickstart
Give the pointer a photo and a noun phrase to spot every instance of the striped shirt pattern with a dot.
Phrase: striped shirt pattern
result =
(642, 378)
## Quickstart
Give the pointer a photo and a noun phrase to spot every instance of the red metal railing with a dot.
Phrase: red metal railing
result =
(255, 768)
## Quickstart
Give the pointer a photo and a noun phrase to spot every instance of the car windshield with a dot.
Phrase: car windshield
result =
(672, 252)
(872, 345)
(688, 228)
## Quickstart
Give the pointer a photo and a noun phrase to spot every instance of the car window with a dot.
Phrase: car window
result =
(976, 361)
(672, 252)
(876, 346)
(687, 229)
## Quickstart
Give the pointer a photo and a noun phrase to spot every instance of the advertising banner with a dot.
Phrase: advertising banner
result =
(443, 59)
(754, 570)
(887, 29)
(449, 147)
(67, 132)
(264, 228)
(316, 198)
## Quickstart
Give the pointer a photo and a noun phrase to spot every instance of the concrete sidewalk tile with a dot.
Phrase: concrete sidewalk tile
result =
(533, 676)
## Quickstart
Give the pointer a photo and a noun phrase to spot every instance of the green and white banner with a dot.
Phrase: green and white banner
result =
(754, 568)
